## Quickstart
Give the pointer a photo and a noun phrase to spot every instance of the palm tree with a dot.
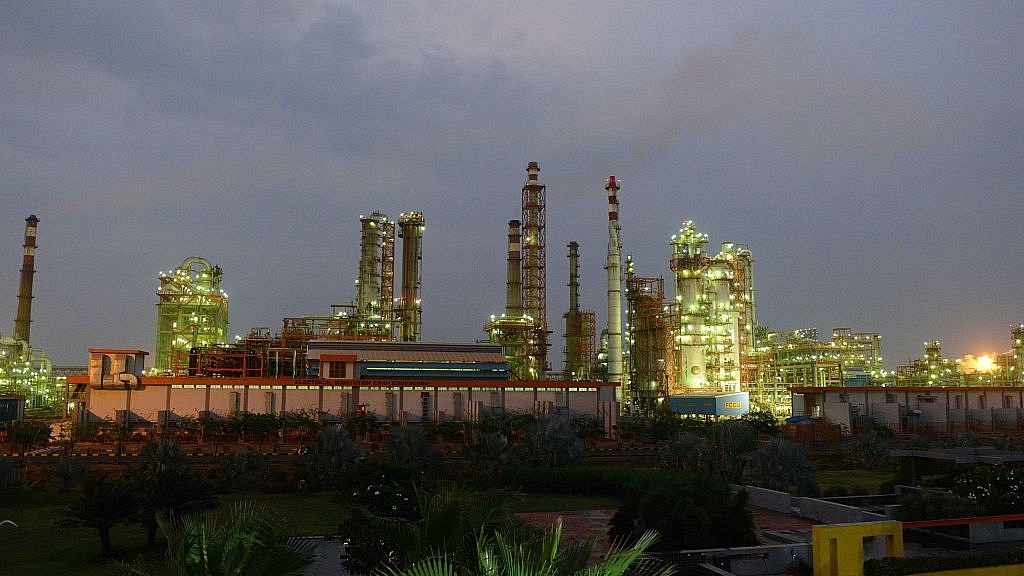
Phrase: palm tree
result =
(254, 541)
(102, 505)
(525, 553)
(167, 481)
(449, 522)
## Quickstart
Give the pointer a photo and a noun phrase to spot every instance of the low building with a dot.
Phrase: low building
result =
(914, 408)
(397, 382)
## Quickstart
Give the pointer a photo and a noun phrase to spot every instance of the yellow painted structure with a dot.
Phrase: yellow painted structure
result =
(839, 548)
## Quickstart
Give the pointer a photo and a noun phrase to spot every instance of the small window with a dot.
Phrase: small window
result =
(1007, 401)
(337, 370)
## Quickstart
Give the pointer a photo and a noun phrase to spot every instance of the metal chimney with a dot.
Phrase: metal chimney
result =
(22, 324)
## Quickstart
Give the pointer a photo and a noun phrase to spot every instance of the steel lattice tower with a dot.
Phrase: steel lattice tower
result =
(535, 261)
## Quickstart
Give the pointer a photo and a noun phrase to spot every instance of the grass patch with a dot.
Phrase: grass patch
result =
(857, 482)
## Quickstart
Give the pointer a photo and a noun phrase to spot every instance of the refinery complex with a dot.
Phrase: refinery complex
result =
(692, 347)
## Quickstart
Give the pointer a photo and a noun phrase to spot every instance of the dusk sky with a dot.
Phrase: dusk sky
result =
(870, 155)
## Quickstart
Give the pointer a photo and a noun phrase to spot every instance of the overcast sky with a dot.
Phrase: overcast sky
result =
(870, 154)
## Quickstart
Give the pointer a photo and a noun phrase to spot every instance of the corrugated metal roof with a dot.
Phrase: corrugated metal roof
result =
(409, 351)
(425, 356)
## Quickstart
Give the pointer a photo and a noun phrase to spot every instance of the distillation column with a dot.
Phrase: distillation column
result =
(720, 326)
(23, 321)
(535, 262)
(614, 268)
(688, 265)
(410, 312)
(369, 307)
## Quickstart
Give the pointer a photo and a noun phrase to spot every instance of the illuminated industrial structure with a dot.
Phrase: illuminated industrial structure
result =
(613, 267)
(523, 329)
(579, 326)
(799, 359)
(27, 385)
(703, 339)
(409, 312)
(648, 325)
(192, 312)
(932, 369)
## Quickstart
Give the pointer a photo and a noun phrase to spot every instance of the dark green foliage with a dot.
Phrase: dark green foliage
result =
(70, 474)
(167, 481)
(688, 452)
(447, 431)
(688, 511)
(551, 442)
(730, 441)
(763, 422)
(8, 475)
(996, 489)
(410, 447)
(360, 426)
(249, 426)
(781, 465)
(448, 521)
(302, 425)
(254, 541)
(529, 552)
(322, 463)
(935, 505)
(102, 504)
(28, 434)
(870, 449)
(924, 564)
(587, 426)
(511, 425)
(488, 453)
(373, 487)
(244, 469)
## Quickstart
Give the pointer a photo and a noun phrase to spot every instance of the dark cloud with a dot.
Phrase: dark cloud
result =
(869, 157)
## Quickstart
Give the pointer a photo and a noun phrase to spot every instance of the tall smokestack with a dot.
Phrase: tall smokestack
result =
(514, 273)
(614, 268)
(574, 318)
(22, 323)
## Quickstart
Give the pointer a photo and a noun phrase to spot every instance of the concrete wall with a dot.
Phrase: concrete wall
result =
(833, 512)
(404, 404)
(768, 499)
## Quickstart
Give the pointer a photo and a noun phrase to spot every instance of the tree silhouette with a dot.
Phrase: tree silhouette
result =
(102, 504)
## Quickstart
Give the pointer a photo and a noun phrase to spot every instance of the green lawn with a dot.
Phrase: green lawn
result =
(857, 481)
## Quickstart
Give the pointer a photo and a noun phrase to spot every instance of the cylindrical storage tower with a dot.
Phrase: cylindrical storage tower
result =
(410, 228)
(374, 231)
(23, 321)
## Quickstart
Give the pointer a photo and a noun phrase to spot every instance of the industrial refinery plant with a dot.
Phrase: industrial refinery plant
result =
(694, 347)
